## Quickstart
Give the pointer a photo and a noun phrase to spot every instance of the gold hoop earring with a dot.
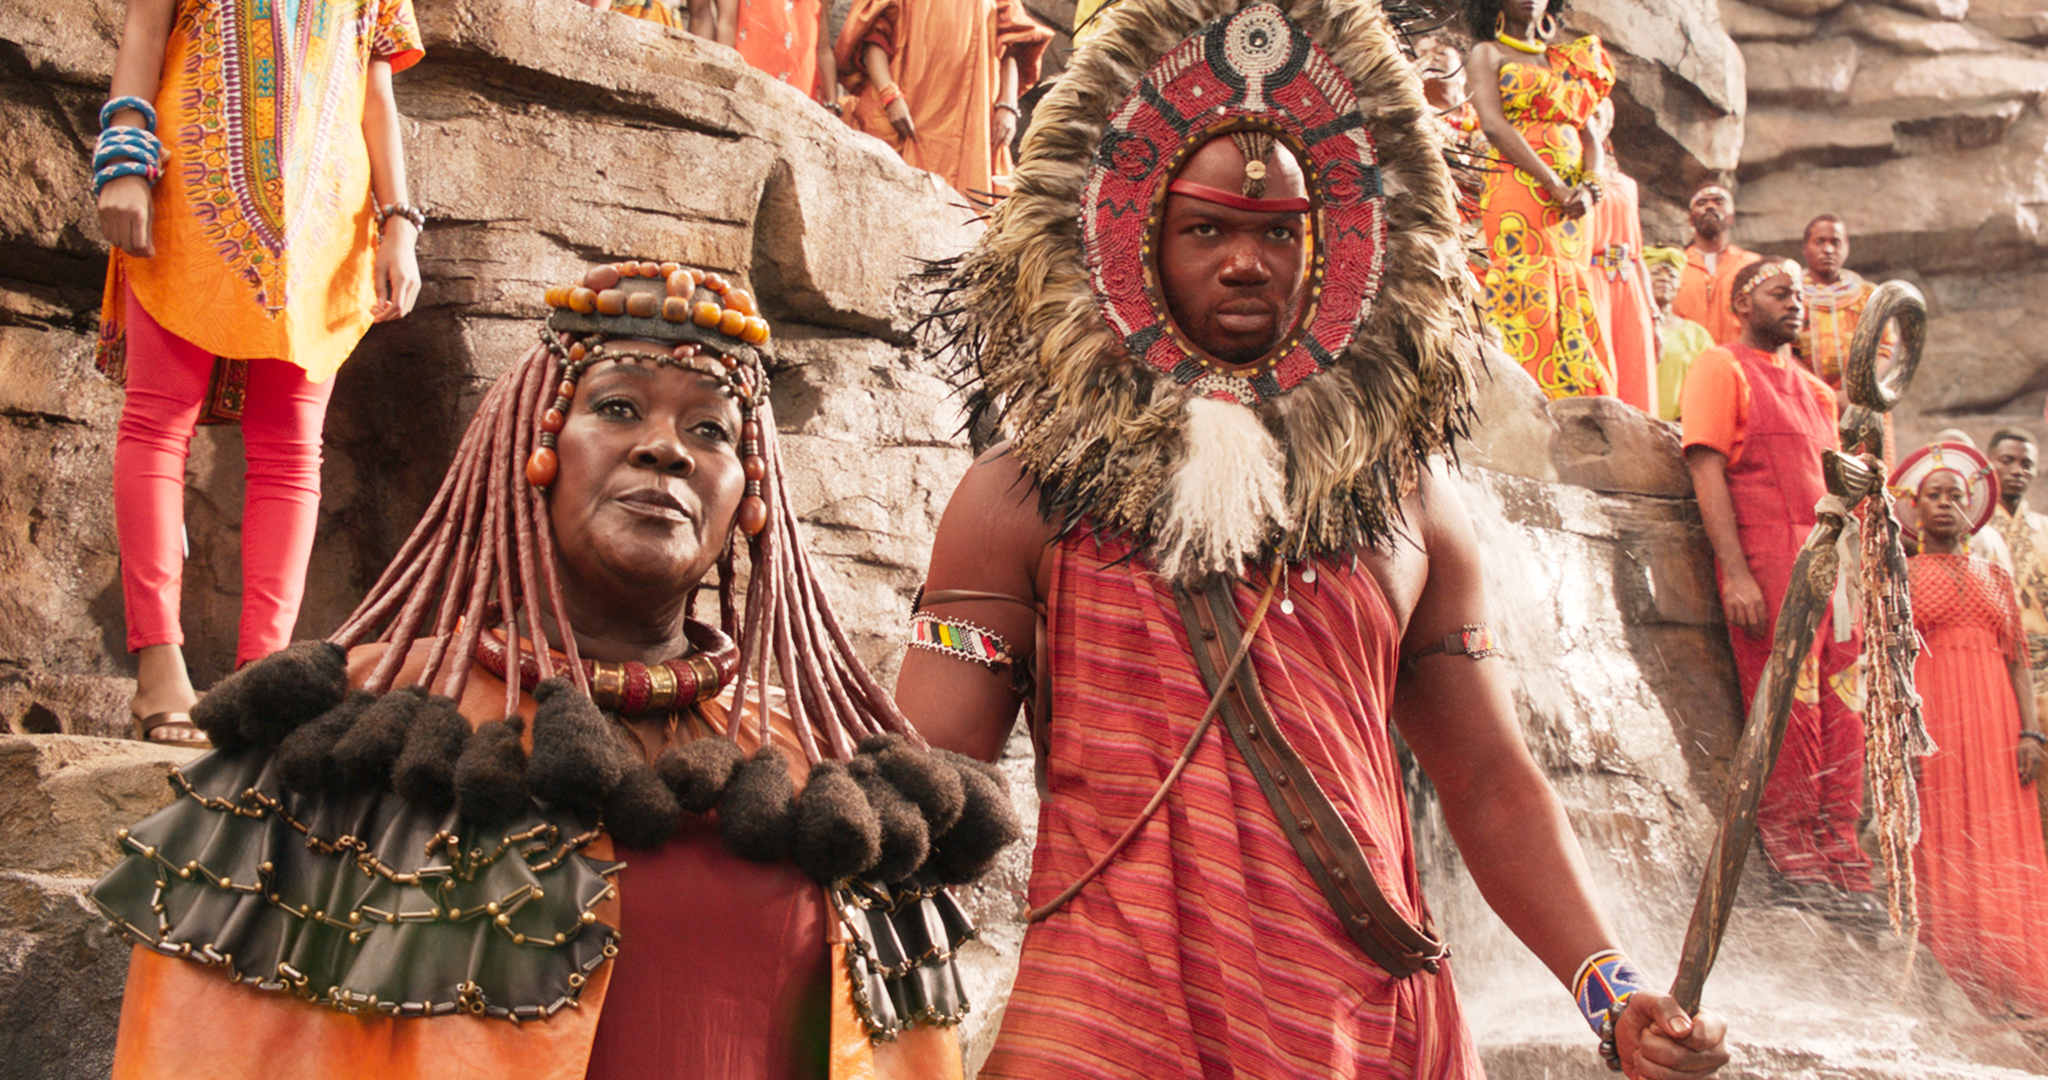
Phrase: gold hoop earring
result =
(1547, 25)
(1500, 23)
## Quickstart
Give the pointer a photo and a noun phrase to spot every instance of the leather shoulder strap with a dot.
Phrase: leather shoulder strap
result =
(1319, 835)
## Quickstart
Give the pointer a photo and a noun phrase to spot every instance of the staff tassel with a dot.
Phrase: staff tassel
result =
(1850, 480)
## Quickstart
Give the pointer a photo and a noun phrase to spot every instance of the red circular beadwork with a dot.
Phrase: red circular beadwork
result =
(1253, 69)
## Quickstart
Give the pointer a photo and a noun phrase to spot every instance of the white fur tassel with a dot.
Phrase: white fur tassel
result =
(1228, 496)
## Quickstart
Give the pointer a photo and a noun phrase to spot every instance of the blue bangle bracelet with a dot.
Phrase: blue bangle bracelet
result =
(112, 150)
(118, 170)
(147, 110)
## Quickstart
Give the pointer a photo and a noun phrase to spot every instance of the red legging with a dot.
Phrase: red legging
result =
(281, 422)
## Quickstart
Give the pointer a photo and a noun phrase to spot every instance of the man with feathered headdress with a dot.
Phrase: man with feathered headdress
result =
(1223, 326)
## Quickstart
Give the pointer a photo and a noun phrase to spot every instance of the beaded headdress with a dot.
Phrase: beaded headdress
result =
(1961, 460)
(1766, 270)
(1059, 326)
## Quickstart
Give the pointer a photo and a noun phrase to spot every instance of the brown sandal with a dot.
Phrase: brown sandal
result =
(170, 729)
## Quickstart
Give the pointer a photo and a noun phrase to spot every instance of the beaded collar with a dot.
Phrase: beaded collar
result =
(631, 688)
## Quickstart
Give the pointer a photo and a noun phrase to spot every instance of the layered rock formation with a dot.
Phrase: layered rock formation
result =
(1922, 124)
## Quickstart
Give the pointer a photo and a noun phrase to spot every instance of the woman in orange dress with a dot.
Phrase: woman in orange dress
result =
(939, 81)
(1982, 877)
(1621, 281)
(1534, 101)
(250, 257)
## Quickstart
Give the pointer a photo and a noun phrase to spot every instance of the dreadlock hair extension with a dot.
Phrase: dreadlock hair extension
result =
(486, 540)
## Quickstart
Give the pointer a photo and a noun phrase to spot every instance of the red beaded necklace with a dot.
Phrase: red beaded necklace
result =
(631, 688)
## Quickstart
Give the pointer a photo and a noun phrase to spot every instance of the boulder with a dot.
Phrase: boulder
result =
(61, 969)
(1809, 72)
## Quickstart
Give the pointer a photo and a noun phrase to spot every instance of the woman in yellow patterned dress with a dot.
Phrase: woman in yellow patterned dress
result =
(1534, 100)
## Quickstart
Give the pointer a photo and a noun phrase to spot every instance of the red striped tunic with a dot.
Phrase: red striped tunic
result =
(1205, 949)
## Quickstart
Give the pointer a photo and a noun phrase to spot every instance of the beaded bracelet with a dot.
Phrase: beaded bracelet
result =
(147, 110)
(120, 169)
(889, 96)
(129, 144)
(409, 212)
(964, 640)
(1602, 987)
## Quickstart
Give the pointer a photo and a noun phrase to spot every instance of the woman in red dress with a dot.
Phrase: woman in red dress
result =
(1982, 875)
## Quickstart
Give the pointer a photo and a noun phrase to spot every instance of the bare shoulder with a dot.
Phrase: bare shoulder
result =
(993, 534)
(1429, 572)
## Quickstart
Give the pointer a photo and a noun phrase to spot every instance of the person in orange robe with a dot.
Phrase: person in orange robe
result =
(1534, 100)
(1620, 280)
(1980, 872)
(699, 954)
(1711, 262)
(939, 82)
(1756, 424)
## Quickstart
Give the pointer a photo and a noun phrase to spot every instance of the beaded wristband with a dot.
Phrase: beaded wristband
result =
(147, 110)
(888, 97)
(120, 169)
(407, 211)
(126, 143)
(964, 640)
(1602, 987)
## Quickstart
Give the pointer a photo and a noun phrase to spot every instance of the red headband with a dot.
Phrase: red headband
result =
(1238, 202)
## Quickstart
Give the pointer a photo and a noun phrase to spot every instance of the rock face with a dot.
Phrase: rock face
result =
(60, 970)
(1920, 123)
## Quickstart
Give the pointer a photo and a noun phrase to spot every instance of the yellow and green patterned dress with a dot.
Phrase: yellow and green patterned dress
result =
(1537, 291)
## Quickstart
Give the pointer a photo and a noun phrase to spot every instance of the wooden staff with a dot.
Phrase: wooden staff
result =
(1849, 480)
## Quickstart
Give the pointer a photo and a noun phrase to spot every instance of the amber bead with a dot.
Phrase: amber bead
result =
(551, 420)
(751, 431)
(557, 297)
(680, 284)
(741, 300)
(611, 302)
(729, 361)
(540, 471)
(675, 309)
(754, 466)
(578, 351)
(642, 305)
(715, 282)
(583, 300)
(706, 313)
(753, 515)
(755, 331)
(601, 278)
(696, 277)
(669, 268)
(685, 351)
(650, 269)
(731, 322)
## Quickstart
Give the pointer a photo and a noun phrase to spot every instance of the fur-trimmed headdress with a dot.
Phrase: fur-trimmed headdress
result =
(1065, 341)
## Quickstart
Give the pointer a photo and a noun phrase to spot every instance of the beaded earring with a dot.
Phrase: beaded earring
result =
(608, 291)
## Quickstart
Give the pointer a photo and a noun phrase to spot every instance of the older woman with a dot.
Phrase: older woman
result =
(449, 846)
(1982, 875)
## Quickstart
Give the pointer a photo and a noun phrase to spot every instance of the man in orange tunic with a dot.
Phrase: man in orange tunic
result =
(1755, 426)
(939, 82)
(1711, 262)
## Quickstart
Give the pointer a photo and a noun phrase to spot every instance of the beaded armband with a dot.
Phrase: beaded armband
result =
(1602, 987)
(964, 640)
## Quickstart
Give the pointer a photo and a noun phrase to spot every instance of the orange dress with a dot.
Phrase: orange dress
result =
(1982, 875)
(264, 229)
(780, 38)
(1537, 292)
(947, 58)
(1621, 292)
